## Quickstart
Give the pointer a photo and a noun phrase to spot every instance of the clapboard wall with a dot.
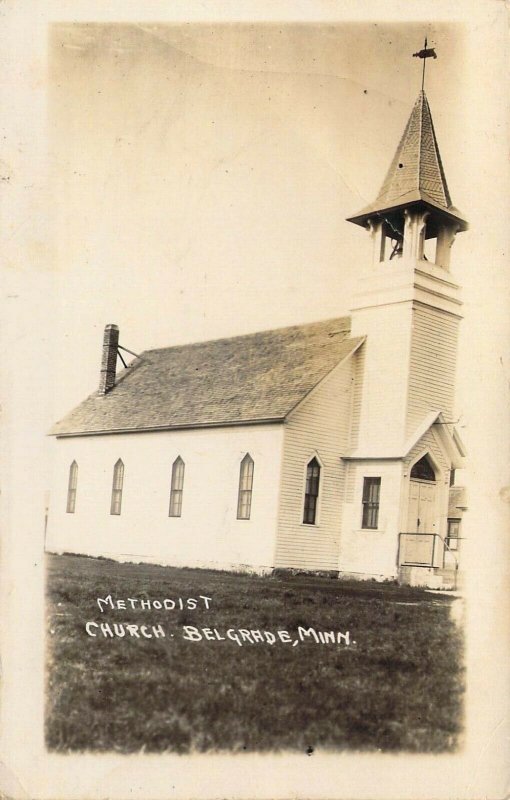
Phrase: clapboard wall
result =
(207, 534)
(432, 364)
(319, 427)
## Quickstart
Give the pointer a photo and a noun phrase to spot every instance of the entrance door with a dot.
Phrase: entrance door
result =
(419, 549)
(421, 507)
(421, 515)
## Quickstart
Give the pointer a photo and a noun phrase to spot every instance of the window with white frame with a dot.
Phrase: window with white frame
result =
(71, 488)
(370, 501)
(118, 482)
(176, 488)
(453, 534)
(245, 487)
(313, 474)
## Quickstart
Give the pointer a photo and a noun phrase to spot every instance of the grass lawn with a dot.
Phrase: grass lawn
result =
(398, 688)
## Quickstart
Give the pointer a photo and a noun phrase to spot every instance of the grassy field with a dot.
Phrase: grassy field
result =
(399, 687)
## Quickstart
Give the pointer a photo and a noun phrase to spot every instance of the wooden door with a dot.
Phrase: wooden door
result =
(420, 519)
(421, 509)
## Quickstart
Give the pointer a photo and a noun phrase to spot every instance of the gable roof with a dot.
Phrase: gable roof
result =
(258, 377)
(448, 434)
(416, 172)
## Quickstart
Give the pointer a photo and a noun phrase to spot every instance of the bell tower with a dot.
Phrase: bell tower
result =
(407, 303)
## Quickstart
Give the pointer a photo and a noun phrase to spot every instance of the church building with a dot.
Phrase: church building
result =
(326, 447)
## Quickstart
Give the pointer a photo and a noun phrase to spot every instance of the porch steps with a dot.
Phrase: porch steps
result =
(429, 577)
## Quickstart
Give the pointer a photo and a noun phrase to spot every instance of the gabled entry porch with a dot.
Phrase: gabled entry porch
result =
(424, 556)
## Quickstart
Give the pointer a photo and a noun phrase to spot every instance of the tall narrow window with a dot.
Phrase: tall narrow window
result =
(371, 492)
(118, 480)
(245, 487)
(313, 474)
(71, 488)
(176, 488)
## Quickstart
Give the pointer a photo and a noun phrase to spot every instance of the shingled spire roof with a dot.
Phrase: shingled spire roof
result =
(416, 165)
(416, 173)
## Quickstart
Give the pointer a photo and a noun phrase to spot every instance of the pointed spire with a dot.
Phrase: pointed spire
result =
(416, 173)
(416, 165)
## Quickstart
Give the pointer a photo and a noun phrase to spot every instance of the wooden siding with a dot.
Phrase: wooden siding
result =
(358, 360)
(430, 442)
(320, 426)
(386, 377)
(432, 365)
(207, 534)
(358, 366)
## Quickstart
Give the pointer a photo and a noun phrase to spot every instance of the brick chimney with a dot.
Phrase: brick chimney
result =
(109, 359)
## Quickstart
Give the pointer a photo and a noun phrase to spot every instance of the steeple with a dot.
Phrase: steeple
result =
(407, 303)
(414, 184)
(416, 171)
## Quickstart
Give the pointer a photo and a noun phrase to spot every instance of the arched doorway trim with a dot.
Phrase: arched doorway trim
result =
(438, 471)
(423, 470)
(424, 489)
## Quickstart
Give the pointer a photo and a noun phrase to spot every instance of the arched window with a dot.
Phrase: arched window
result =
(176, 488)
(71, 488)
(245, 487)
(423, 470)
(313, 473)
(118, 480)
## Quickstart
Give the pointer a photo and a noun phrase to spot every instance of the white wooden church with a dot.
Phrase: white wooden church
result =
(324, 447)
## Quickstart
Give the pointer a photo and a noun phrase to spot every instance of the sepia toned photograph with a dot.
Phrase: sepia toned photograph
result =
(254, 400)
(254, 541)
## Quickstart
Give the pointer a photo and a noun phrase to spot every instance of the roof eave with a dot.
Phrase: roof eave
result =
(374, 212)
(451, 441)
(160, 428)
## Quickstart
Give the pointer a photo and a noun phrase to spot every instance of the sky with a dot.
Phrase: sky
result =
(202, 174)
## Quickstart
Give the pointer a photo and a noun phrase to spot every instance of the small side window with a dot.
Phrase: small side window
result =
(371, 493)
(453, 536)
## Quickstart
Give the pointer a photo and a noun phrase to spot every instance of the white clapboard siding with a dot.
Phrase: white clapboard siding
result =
(430, 442)
(358, 367)
(432, 365)
(207, 534)
(321, 427)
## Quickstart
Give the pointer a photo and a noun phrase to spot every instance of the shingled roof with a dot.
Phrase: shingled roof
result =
(245, 379)
(416, 172)
(417, 164)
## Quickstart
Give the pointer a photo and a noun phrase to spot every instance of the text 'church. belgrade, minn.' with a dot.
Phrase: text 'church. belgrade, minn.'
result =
(326, 447)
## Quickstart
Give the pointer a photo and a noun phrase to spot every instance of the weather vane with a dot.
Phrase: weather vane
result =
(427, 52)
